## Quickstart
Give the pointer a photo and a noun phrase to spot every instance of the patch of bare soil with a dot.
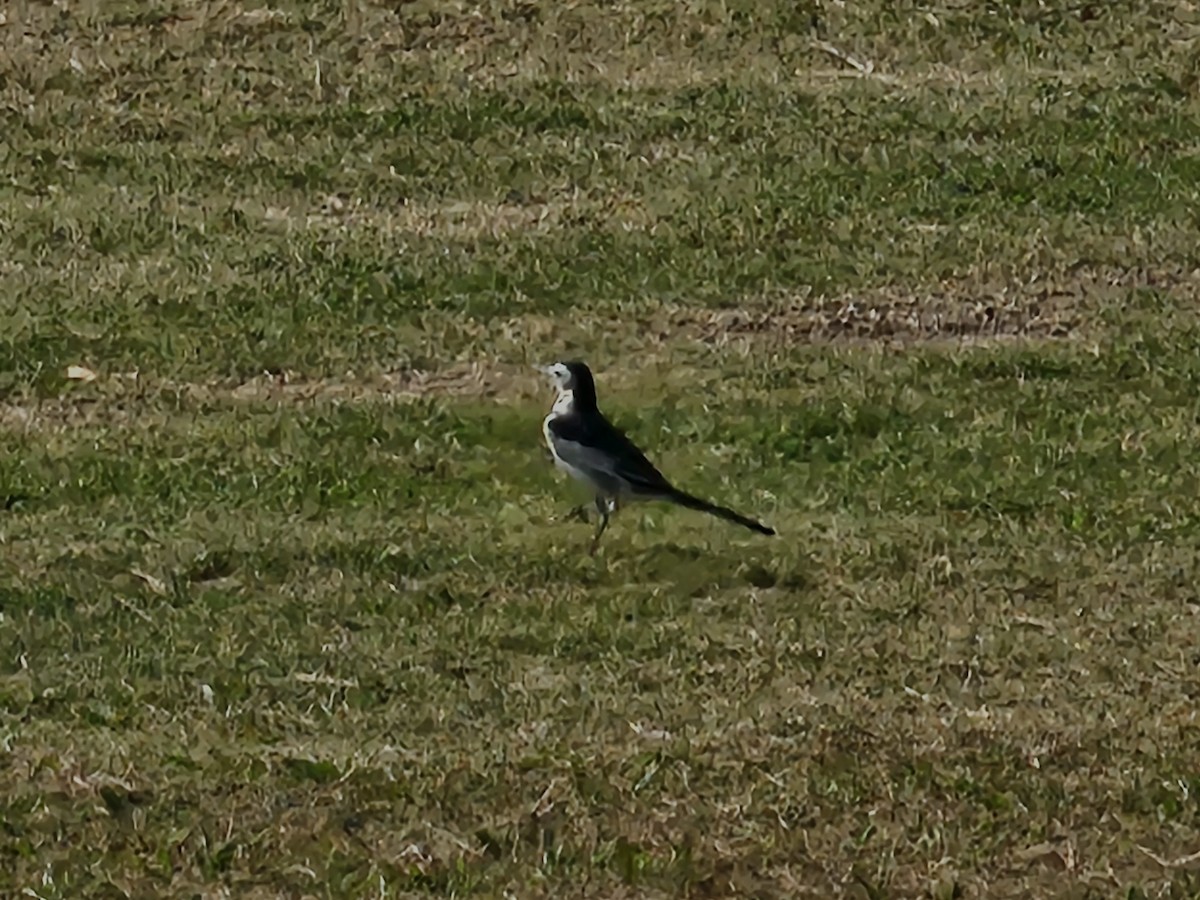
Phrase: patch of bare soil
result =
(129, 401)
(469, 220)
(968, 312)
(473, 379)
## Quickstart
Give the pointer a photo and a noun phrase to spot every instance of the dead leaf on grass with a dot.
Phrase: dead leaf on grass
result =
(1060, 857)
(325, 680)
(1033, 622)
(1191, 862)
(157, 585)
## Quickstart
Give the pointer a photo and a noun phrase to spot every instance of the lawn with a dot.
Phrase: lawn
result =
(286, 605)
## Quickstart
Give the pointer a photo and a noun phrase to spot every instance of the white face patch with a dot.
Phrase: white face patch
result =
(560, 375)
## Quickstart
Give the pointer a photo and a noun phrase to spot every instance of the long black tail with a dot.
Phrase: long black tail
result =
(721, 512)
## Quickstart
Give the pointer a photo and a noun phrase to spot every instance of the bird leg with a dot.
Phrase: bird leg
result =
(605, 507)
(576, 512)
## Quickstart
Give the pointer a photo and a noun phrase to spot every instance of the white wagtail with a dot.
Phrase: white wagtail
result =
(591, 449)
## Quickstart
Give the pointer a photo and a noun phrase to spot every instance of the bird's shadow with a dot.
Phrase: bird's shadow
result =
(694, 568)
(691, 566)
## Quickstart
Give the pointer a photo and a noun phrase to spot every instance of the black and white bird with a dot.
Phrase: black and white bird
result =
(591, 449)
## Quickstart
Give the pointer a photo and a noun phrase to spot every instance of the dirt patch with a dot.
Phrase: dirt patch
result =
(455, 380)
(469, 220)
(889, 317)
(126, 400)
(972, 311)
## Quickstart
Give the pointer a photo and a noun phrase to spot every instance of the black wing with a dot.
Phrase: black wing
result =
(596, 444)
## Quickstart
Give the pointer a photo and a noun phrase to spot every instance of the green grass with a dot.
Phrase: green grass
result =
(284, 607)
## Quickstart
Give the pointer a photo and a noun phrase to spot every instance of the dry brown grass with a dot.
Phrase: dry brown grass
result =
(286, 607)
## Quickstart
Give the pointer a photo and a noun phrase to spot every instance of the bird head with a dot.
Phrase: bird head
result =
(572, 377)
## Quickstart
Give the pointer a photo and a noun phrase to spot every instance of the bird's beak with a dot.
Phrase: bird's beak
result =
(545, 370)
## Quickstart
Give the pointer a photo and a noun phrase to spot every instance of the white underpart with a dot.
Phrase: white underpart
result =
(562, 405)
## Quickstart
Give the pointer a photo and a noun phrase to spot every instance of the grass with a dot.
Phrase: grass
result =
(283, 607)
